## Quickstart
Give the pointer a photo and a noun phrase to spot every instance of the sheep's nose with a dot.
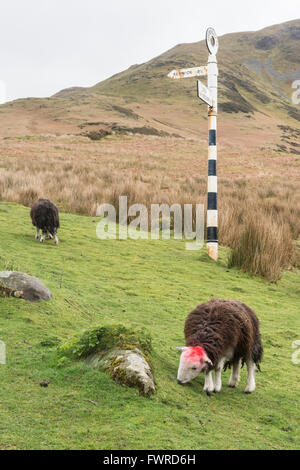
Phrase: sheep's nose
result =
(179, 381)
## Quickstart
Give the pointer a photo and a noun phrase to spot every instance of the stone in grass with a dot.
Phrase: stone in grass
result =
(16, 284)
(125, 366)
(122, 352)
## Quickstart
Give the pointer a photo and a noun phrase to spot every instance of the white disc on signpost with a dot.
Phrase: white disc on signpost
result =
(212, 41)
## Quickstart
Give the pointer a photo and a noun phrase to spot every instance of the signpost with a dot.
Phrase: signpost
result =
(208, 95)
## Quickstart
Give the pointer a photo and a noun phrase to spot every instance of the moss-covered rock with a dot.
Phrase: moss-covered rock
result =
(126, 367)
(122, 352)
(103, 338)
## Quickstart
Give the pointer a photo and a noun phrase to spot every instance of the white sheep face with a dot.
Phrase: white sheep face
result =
(193, 360)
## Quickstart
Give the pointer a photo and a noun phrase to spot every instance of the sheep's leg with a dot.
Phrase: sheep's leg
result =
(37, 234)
(55, 239)
(218, 380)
(218, 376)
(209, 383)
(49, 235)
(43, 237)
(250, 386)
(235, 374)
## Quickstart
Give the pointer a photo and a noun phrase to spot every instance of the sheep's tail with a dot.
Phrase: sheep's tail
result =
(257, 352)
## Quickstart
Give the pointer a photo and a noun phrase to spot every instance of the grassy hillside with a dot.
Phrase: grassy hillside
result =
(144, 284)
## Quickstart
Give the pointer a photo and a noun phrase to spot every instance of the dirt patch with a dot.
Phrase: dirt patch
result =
(96, 135)
(293, 112)
(289, 134)
(125, 112)
(236, 101)
(295, 33)
(266, 43)
(144, 130)
(86, 124)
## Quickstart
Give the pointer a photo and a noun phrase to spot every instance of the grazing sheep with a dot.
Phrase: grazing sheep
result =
(218, 334)
(44, 216)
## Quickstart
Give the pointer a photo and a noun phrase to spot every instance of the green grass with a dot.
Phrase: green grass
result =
(139, 284)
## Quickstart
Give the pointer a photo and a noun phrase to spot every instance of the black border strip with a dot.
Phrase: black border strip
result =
(212, 167)
(212, 137)
(212, 234)
(212, 201)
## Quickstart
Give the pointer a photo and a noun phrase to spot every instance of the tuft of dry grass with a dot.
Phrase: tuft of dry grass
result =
(261, 226)
(263, 246)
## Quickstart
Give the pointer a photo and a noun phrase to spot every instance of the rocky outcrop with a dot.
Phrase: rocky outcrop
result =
(17, 284)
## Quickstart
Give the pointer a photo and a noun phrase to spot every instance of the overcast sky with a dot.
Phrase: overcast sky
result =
(48, 45)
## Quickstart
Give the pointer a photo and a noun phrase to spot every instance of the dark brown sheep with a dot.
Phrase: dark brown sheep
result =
(220, 333)
(44, 216)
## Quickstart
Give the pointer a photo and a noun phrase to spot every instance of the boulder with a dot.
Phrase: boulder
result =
(122, 352)
(16, 284)
(128, 367)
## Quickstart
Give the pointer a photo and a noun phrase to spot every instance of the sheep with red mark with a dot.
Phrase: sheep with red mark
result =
(220, 334)
(44, 216)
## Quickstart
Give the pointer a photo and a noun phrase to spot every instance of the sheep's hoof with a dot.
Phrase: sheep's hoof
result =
(208, 393)
(247, 392)
(231, 386)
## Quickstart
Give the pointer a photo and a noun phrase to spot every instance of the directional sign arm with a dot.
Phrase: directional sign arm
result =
(204, 94)
(188, 73)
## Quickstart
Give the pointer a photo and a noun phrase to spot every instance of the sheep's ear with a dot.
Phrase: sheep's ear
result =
(181, 348)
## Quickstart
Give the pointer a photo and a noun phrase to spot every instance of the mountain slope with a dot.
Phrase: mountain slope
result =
(270, 58)
(256, 70)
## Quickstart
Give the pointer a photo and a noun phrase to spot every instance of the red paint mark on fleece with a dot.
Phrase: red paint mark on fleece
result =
(194, 353)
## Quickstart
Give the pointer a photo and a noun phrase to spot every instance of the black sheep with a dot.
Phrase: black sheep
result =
(44, 216)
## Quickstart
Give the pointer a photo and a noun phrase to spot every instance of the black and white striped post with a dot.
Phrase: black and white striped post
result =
(212, 183)
(208, 95)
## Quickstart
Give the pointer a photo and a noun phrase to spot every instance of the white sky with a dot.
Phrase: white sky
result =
(48, 45)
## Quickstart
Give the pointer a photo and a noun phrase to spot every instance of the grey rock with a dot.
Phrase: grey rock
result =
(128, 367)
(16, 284)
